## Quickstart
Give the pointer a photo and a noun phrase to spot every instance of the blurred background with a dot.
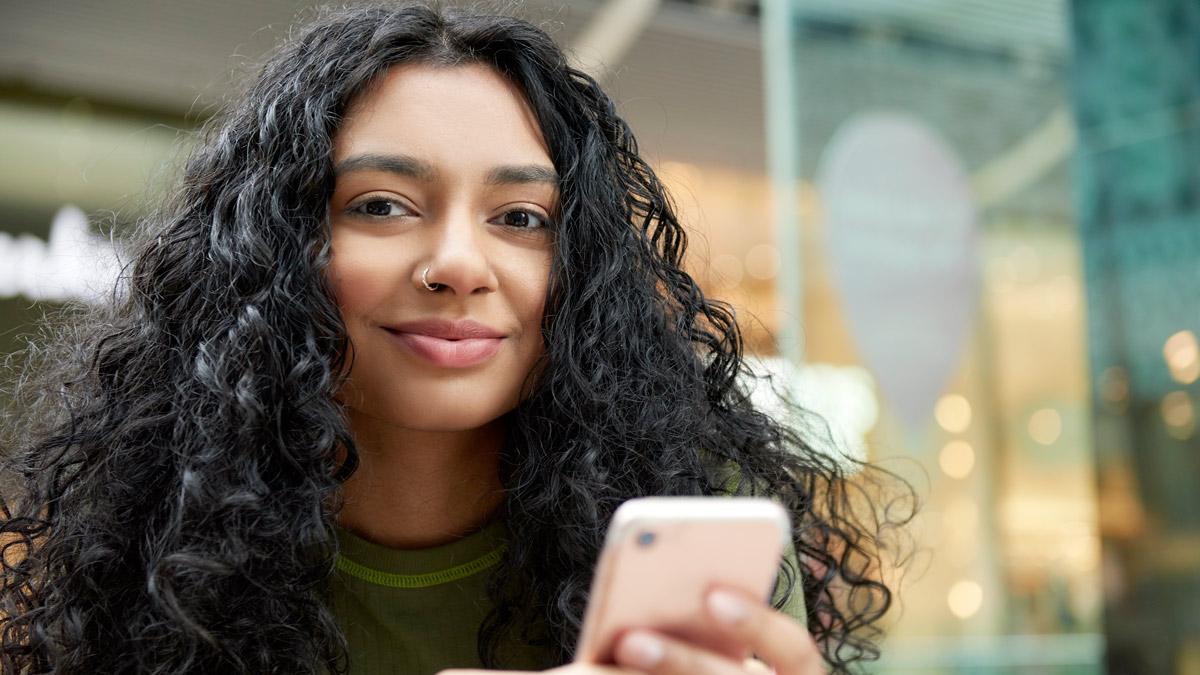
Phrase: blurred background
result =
(966, 231)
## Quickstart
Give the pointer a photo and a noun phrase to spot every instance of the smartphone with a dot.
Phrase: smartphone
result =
(662, 555)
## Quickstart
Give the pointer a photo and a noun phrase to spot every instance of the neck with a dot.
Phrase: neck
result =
(416, 489)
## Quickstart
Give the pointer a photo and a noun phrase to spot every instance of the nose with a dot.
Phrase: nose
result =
(458, 261)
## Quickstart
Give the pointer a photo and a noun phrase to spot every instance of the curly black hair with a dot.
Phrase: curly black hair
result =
(174, 465)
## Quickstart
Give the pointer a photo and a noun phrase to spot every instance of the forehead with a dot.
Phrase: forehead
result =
(453, 116)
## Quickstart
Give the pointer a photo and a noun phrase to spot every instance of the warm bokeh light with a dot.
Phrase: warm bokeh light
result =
(762, 262)
(957, 459)
(1182, 354)
(953, 413)
(1045, 426)
(1180, 414)
(965, 599)
(1114, 385)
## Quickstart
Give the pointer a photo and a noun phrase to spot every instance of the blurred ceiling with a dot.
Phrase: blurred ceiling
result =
(1025, 28)
(179, 58)
(691, 86)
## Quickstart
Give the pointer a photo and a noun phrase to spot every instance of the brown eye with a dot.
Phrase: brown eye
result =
(522, 219)
(380, 208)
(377, 207)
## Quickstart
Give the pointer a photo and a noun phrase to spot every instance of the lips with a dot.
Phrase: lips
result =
(447, 329)
(449, 344)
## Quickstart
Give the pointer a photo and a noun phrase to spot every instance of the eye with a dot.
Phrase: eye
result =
(378, 207)
(523, 219)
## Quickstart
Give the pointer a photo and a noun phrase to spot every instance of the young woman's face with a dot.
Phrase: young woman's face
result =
(445, 169)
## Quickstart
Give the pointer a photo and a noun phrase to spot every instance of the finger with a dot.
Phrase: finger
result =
(573, 669)
(773, 636)
(756, 667)
(587, 669)
(659, 655)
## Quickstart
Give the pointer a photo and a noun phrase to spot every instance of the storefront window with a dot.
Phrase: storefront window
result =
(930, 168)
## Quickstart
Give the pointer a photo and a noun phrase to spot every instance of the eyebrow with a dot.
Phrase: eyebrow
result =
(402, 165)
(523, 174)
(411, 167)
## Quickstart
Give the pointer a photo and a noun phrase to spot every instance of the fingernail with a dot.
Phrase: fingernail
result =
(727, 607)
(641, 650)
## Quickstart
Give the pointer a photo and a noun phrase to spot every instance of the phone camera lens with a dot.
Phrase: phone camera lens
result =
(645, 539)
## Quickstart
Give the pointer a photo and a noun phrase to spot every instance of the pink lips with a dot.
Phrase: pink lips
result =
(450, 344)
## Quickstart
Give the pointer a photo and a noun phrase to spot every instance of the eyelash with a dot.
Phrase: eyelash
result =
(357, 210)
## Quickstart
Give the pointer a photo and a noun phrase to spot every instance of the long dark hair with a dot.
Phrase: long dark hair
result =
(176, 465)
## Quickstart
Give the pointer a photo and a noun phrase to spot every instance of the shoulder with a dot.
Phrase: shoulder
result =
(790, 602)
(788, 594)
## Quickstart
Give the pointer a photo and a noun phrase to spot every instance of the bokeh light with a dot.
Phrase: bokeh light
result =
(957, 459)
(953, 413)
(965, 599)
(1179, 413)
(1114, 386)
(1182, 354)
(1045, 426)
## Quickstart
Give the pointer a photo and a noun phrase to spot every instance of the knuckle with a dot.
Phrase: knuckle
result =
(693, 660)
(679, 660)
(757, 621)
(756, 667)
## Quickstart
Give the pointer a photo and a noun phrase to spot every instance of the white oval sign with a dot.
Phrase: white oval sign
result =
(904, 249)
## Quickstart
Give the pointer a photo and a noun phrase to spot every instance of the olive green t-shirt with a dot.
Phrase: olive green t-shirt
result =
(419, 611)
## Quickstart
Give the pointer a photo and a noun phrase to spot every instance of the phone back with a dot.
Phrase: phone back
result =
(661, 557)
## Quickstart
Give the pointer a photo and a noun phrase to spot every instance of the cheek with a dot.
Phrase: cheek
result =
(532, 284)
(358, 280)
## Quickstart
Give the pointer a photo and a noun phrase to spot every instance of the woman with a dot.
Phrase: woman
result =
(415, 317)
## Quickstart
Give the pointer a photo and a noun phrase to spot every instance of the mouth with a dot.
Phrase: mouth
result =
(448, 352)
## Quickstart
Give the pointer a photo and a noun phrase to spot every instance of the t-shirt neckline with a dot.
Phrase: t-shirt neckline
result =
(424, 567)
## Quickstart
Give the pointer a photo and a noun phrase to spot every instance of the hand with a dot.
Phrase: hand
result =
(573, 669)
(780, 641)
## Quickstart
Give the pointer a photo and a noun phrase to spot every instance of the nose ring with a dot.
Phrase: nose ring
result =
(425, 281)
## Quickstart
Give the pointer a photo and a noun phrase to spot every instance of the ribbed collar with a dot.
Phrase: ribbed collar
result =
(416, 568)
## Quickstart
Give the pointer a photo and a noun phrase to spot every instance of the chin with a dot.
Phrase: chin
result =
(437, 414)
(447, 423)
(445, 406)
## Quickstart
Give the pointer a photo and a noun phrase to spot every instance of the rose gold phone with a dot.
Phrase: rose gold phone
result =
(663, 554)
